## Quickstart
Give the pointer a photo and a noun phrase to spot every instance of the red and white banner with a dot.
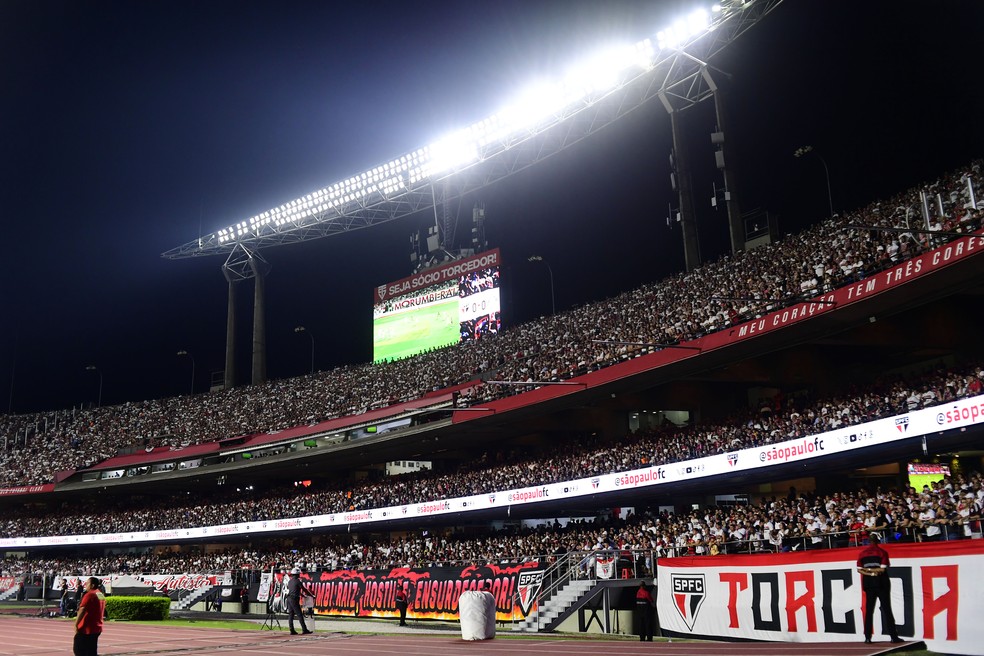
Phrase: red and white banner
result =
(917, 267)
(26, 489)
(172, 582)
(161, 582)
(815, 596)
(430, 277)
(266, 579)
(8, 583)
(605, 567)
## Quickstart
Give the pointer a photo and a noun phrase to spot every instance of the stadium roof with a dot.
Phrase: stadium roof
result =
(540, 122)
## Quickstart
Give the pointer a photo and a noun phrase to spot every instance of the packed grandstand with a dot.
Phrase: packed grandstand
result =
(576, 457)
(831, 512)
(828, 256)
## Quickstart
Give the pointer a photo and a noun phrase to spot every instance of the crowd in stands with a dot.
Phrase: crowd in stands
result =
(950, 509)
(781, 419)
(677, 309)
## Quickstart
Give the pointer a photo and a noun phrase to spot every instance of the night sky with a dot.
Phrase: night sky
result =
(129, 128)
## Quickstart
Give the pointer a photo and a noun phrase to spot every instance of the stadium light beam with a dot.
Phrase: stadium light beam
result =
(302, 329)
(93, 367)
(181, 353)
(805, 150)
(538, 258)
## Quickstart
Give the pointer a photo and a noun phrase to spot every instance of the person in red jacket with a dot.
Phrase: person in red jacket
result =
(873, 564)
(644, 610)
(402, 601)
(89, 620)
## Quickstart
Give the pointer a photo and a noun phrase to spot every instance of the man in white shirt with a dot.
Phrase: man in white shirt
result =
(931, 530)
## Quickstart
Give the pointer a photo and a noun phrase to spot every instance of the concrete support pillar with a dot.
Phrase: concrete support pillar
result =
(229, 379)
(259, 324)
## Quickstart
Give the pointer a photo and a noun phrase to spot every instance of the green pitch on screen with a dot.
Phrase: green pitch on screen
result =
(918, 480)
(408, 333)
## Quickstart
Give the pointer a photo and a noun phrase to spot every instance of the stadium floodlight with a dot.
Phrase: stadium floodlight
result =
(553, 303)
(684, 29)
(183, 353)
(93, 367)
(806, 150)
(302, 329)
(536, 103)
(595, 92)
(451, 152)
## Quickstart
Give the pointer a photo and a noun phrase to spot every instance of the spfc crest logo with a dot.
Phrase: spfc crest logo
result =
(529, 585)
(491, 498)
(688, 596)
(595, 482)
(732, 459)
(902, 424)
(381, 290)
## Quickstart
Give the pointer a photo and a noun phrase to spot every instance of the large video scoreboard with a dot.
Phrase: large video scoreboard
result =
(447, 304)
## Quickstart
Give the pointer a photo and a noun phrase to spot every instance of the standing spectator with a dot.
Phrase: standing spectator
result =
(927, 520)
(873, 564)
(644, 610)
(79, 592)
(294, 590)
(402, 602)
(775, 540)
(65, 597)
(89, 621)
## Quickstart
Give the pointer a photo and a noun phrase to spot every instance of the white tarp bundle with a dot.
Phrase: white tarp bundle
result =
(477, 612)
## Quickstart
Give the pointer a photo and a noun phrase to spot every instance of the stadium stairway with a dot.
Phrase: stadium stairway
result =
(193, 598)
(553, 609)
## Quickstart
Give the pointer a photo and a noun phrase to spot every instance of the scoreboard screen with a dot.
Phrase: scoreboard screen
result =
(458, 301)
(921, 474)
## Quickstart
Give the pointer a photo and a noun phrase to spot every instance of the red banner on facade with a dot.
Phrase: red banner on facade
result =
(433, 593)
(26, 489)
